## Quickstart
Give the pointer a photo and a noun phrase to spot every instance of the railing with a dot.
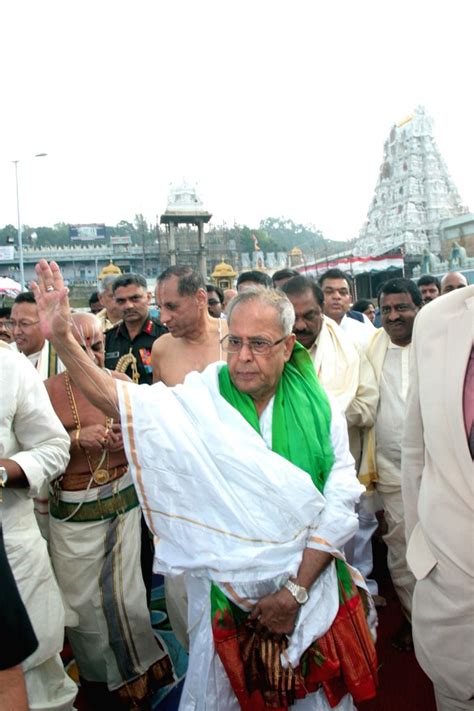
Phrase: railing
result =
(33, 254)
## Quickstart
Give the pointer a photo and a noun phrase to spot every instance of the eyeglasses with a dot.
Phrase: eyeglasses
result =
(258, 346)
(24, 325)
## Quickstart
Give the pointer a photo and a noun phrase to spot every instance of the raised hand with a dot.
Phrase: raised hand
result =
(51, 298)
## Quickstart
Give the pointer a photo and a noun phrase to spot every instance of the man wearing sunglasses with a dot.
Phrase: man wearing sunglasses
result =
(246, 480)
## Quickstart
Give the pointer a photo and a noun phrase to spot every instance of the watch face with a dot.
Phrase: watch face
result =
(301, 596)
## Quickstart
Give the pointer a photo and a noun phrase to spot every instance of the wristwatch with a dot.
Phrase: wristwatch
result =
(3, 481)
(298, 591)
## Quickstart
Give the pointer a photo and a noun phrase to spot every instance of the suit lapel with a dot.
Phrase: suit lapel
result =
(457, 351)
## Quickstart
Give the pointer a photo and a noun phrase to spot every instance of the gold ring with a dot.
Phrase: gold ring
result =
(50, 288)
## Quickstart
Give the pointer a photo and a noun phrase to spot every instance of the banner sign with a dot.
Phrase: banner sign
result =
(121, 239)
(353, 265)
(7, 253)
(86, 233)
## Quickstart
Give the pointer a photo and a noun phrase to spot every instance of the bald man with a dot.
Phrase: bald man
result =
(228, 296)
(452, 281)
(95, 545)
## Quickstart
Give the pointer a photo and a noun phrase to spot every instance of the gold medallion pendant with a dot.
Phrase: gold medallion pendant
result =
(101, 476)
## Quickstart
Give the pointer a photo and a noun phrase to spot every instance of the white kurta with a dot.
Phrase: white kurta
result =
(345, 373)
(225, 508)
(388, 435)
(391, 416)
(32, 435)
(337, 363)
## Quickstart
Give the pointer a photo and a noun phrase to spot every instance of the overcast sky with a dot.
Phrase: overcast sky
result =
(272, 108)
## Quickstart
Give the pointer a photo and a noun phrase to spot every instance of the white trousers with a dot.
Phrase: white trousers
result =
(49, 688)
(402, 577)
(358, 550)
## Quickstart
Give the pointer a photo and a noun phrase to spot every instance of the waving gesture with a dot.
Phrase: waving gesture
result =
(51, 298)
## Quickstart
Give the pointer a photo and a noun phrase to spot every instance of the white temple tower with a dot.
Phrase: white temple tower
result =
(185, 207)
(413, 193)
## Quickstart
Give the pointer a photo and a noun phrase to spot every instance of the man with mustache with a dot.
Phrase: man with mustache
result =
(348, 377)
(6, 333)
(389, 353)
(430, 287)
(134, 335)
(136, 332)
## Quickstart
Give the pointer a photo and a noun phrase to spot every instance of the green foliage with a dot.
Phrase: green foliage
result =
(8, 235)
(291, 234)
(278, 234)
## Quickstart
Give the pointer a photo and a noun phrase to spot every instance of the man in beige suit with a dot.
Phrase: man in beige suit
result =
(438, 481)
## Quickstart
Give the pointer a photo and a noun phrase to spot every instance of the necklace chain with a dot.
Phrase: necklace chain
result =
(100, 475)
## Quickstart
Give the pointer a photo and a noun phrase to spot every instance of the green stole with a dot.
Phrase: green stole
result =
(301, 422)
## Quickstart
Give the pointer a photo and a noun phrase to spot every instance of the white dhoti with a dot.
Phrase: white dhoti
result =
(97, 564)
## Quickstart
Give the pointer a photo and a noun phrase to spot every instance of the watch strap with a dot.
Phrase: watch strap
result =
(298, 591)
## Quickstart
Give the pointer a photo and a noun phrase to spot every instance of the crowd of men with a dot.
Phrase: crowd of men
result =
(284, 417)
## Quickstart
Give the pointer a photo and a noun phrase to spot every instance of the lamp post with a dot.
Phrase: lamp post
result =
(20, 233)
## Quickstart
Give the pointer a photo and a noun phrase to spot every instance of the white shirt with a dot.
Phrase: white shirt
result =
(34, 358)
(360, 333)
(31, 435)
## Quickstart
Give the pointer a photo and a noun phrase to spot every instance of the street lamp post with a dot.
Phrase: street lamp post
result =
(20, 231)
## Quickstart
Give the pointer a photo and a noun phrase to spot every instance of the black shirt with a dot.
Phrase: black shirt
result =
(16, 632)
(119, 343)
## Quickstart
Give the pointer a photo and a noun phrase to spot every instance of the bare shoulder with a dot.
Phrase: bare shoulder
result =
(162, 344)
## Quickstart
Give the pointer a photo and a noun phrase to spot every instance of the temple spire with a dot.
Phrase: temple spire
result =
(414, 192)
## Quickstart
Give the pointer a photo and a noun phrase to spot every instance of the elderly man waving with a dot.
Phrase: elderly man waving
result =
(246, 480)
